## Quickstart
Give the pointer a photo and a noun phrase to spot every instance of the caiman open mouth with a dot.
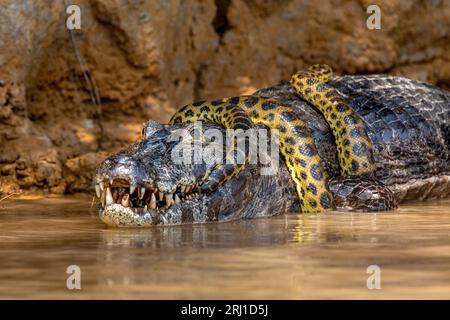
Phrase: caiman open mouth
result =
(142, 199)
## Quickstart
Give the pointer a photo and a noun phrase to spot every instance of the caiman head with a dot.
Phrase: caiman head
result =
(146, 184)
(149, 184)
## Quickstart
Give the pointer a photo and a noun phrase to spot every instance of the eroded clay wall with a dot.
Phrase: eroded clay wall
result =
(67, 99)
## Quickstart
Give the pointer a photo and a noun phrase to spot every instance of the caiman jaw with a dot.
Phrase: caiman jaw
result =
(142, 199)
(143, 185)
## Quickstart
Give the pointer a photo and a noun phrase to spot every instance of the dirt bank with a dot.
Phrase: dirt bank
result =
(69, 99)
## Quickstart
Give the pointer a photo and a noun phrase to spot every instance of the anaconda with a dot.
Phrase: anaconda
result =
(406, 121)
(296, 142)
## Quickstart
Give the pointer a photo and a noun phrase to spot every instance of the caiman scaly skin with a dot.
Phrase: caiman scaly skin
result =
(295, 140)
(407, 122)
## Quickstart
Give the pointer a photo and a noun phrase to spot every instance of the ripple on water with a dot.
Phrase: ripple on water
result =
(290, 256)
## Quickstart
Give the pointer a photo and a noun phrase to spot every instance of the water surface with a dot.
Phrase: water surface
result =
(285, 257)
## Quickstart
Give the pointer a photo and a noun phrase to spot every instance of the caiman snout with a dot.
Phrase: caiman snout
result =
(121, 166)
(126, 188)
(141, 185)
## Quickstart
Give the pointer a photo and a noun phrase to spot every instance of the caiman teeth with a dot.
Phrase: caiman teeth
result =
(109, 198)
(115, 195)
(125, 201)
(141, 193)
(102, 199)
(169, 199)
(153, 201)
(146, 198)
(97, 190)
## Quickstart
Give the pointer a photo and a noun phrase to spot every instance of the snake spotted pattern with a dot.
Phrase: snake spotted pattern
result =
(353, 145)
(294, 138)
(228, 116)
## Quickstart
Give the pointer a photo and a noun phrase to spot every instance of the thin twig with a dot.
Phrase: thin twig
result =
(9, 195)
(92, 203)
(91, 84)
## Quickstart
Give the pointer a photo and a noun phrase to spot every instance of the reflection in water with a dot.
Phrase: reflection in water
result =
(293, 256)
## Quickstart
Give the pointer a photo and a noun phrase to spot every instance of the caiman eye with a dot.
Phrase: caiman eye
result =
(151, 127)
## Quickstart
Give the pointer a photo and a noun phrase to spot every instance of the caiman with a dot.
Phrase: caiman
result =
(354, 143)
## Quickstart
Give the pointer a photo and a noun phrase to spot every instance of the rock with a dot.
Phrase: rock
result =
(8, 187)
(79, 171)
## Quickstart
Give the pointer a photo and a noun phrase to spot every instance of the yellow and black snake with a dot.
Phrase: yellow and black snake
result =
(295, 139)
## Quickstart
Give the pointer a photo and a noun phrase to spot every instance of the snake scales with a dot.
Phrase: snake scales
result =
(295, 140)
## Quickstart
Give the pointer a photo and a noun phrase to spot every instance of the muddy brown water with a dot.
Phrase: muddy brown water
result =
(285, 257)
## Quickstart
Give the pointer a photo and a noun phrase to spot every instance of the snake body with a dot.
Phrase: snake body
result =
(353, 144)
(295, 140)
(228, 116)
